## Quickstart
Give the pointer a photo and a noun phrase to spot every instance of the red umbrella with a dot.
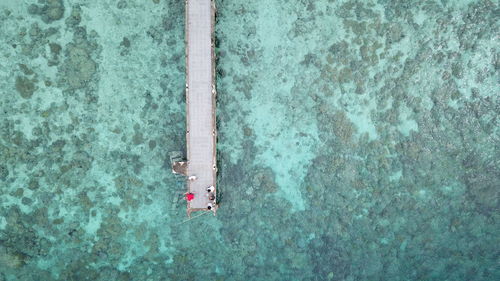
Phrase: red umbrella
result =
(189, 196)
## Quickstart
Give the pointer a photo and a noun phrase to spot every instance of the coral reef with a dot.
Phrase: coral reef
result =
(358, 140)
(48, 10)
(75, 141)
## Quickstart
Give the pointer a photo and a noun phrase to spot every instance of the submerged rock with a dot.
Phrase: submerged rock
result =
(25, 86)
(52, 10)
(9, 259)
(4, 172)
(79, 68)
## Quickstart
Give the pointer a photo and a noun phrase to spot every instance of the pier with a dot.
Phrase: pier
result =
(201, 134)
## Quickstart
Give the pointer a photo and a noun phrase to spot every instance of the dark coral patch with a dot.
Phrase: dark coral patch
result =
(25, 86)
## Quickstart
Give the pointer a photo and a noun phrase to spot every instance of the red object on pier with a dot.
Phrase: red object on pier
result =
(189, 196)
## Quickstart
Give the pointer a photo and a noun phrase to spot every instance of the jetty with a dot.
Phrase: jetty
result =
(200, 167)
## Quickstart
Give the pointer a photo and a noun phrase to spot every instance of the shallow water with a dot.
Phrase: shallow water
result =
(358, 140)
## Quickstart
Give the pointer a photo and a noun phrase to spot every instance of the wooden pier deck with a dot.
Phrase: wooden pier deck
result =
(201, 135)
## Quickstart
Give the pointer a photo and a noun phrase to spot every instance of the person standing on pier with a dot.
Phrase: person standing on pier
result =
(189, 196)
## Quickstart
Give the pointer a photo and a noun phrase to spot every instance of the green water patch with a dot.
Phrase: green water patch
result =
(363, 111)
(357, 141)
(87, 91)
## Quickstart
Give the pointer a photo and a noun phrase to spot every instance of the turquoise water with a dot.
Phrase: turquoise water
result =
(358, 140)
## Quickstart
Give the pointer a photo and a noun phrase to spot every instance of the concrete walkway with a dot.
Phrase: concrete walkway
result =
(200, 100)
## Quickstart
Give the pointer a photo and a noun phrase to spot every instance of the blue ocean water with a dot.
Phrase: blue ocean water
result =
(358, 140)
